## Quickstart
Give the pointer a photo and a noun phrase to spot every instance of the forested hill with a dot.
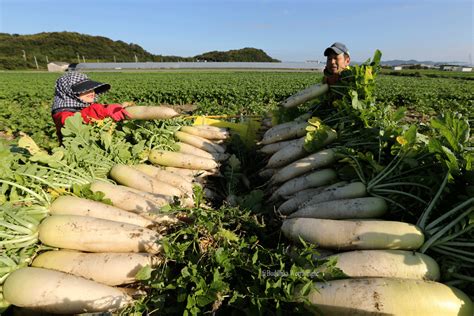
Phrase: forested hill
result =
(65, 46)
(246, 54)
(19, 51)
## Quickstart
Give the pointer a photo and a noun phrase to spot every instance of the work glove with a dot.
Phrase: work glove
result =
(117, 112)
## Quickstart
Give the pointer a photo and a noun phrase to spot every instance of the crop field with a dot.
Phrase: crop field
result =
(365, 187)
(22, 94)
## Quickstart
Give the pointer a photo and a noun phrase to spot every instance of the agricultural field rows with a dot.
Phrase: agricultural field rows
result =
(215, 93)
(364, 186)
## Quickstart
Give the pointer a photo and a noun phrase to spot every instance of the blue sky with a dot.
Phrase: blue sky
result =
(298, 30)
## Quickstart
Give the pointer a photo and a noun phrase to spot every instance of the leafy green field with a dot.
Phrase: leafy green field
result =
(25, 97)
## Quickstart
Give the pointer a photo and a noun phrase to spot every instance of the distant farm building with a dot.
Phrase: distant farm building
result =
(57, 66)
(457, 68)
(448, 68)
(414, 66)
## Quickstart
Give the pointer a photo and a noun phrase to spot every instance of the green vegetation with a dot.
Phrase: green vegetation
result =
(215, 93)
(432, 73)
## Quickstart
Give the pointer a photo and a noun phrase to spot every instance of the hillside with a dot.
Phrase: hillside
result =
(64, 46)
(246, 55)
(18, 51)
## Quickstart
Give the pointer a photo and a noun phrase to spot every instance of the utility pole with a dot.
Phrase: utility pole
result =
(115, 59)
(24, 54)
(36, 62)
(47, 61)
(83, 59)
(78, 59)
(136, 59)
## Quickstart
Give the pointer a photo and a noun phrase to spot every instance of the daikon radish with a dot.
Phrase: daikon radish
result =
(365, 207)
(174, 159)
(387, 263)
(219, 129)
(154, 198)
(191, 173)
(387, 296)
(136, 179)
(292, 131)
(151, 112)
(107, 268)
(302, 118)
(72, 205)
(96, 235)
(305, 95)
(205, 133)
(45, 290)
(342, 191)
(288, 154)
(354, 234)
(191, 150)
(299, 198)
(166, 176)
(296, 150)
(199, 142)
(160, 199)
(311, 180)
(142, 203)
(151, 203)
(270, 149)
(127, 200)
(314, 161)
(161, 218)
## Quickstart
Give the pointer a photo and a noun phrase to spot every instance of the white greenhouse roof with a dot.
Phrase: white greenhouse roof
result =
(202, 65)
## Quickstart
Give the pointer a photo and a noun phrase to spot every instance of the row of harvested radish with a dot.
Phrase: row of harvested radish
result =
(385, 274)
(101, 247)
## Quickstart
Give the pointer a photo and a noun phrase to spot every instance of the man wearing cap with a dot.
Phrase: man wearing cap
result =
(338, 59)
(75, 92)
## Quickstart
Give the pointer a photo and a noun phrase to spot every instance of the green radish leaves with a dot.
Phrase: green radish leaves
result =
(453, 128)
(316, 135)
(84, 191)
(144, 273)
(451, 144)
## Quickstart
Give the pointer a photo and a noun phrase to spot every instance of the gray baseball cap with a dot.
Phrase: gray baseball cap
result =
(337, 48)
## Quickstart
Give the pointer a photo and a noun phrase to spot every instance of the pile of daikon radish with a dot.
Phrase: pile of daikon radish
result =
(99, 248)
(385, 274)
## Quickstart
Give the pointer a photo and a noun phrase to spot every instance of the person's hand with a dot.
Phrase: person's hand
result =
(117, 112)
